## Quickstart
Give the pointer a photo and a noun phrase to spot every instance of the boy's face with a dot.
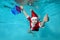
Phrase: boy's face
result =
(34, 20)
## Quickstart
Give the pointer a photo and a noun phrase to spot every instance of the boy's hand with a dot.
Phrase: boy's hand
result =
(21, 7)
(45, 18)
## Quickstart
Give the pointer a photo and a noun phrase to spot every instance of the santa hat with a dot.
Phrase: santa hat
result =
(34, 15)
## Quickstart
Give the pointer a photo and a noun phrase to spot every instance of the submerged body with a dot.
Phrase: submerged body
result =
(34, 22)
(34, 26)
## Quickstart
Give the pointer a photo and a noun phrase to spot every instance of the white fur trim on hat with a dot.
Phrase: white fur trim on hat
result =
(34, 18)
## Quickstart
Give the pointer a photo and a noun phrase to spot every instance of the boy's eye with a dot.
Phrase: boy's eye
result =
(35, 19)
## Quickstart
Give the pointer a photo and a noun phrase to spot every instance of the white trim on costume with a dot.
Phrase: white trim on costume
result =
(39, 24)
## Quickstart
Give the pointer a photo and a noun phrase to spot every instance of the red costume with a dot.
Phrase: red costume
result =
(37, 25)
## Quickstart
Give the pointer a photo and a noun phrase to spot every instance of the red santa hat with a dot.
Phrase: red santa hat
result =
(34, 15)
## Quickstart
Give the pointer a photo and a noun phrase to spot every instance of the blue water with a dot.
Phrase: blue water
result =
(15, 27)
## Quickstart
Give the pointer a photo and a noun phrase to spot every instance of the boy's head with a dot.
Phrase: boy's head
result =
(34, 17)
(34, 20)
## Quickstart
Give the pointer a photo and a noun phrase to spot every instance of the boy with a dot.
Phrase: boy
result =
(34, 22)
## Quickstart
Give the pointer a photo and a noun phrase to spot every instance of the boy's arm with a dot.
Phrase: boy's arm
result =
(44, 20)
(25, 14)
(42, 24)
(24, 11)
